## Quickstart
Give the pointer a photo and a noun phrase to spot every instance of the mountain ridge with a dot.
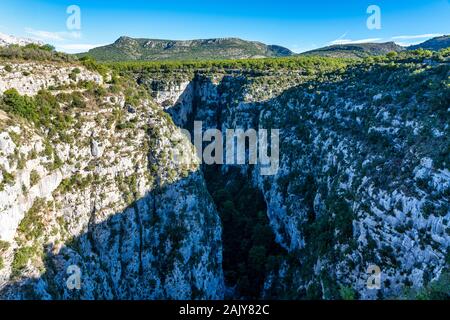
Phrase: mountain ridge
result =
(356, 50)
(128, 48)
(435, 43)
(362, 50)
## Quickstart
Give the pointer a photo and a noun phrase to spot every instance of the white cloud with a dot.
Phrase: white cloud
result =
(53, 36)
(348, 41)
(407, 44)
(417, 36)
(63, 40)
(77, 47)
(410, 40)
(296, 48)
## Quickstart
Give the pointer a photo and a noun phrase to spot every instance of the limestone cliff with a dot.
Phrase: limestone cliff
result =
(103, 194)
(364, 171)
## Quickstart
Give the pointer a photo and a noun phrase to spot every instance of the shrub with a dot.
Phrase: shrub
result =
(21, 259)
(347, 293)
(43, 110)
(8, 68)
(31, 225)
(92, 65)
(8, 178)
(73, 75)
(20, 105)
(4, 246)
(34, 178)
(78, 102)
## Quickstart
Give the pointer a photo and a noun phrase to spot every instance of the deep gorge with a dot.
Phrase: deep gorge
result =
(88, 179)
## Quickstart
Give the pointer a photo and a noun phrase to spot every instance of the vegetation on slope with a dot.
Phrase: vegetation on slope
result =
(434, 44)
(392, 90)
(249, 247)
(127, 49)
(362, 50)
(34, 52)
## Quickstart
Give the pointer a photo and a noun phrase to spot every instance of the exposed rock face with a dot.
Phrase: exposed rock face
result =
(29, 78)
(111, 202)
(362, 181)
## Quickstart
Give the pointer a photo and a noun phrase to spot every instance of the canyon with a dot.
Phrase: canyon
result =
(363, 180)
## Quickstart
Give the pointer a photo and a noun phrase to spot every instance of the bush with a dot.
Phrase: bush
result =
(4, 246)
(31, 225)
(8, 68)
(43, 110)
(347, 293)
(21, 259)
(92, 65)
(34, 52)
(34, 178)
(8, 178)
(20, 105)
(392, 55)
(78, 102)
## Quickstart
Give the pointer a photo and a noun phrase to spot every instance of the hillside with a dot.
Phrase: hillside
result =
(364, 50)
(128, 49)
(434, 44)
(356, 50)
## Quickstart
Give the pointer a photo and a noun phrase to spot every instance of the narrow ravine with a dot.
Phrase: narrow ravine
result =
(249, 247)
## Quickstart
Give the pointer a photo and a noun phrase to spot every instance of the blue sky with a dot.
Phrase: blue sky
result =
(298, 25)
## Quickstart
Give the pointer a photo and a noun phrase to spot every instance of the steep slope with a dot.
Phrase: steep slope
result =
(434, 44)
(89, 187)
(128, 49)
(356, 50)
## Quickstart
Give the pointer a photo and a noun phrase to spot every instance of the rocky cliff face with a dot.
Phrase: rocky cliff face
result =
(105, 196)
(364, 171)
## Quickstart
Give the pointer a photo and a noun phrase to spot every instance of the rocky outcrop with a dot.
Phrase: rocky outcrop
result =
(110, 202)
(29, 78)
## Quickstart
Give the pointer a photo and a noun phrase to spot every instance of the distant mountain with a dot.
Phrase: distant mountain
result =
(360, 50)
(126, 49)
(6, 40)
(434, 44)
